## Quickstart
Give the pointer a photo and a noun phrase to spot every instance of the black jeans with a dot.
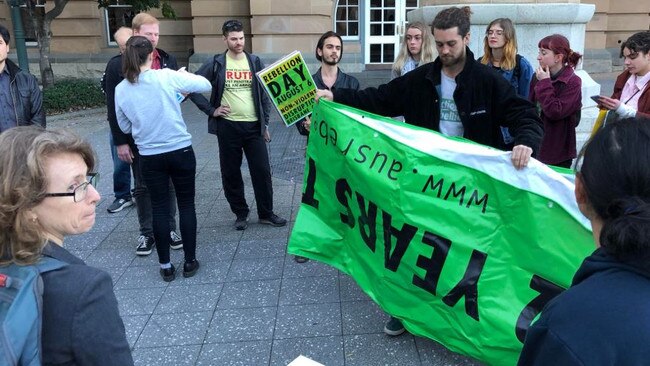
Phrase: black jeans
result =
(143, 197)
(235, 138)
(157, 170)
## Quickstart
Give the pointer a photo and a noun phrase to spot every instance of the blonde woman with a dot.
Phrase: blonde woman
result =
(416, 49)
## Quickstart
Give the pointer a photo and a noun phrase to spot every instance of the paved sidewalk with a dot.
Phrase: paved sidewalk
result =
(250, 303)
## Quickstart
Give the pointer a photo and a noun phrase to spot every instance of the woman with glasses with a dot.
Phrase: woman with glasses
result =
(500, 52)
(604, 317)
(631, 95)
(47, 192)
(147, 105)
(557, 92)
(416, 49)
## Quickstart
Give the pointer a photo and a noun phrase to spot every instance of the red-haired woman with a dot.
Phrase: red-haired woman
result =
(557, 91)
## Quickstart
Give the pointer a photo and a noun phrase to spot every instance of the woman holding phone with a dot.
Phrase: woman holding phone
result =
(631, 95)
(557, 92)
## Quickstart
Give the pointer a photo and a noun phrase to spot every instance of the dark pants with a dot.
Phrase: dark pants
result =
(235, 138)
(565, 164)
(143, 198)
(157, 170)
(121, 174)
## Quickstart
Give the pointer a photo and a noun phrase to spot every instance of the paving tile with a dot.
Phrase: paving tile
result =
(255, 269)
(81, 254)
(433, 353)
(214, 236)
(350, 291)
(235, 354)
(121, 239)
(114, 272)
(140, 301)
(87, 241)
(133, 325)
(177, 355)
(313, 320)
(110, 258)
(262, 248)
(175, 329)
(362, 317)
(248, 294)
(257, 231)
(325, 350)
(216, 250)
(189, 298)
(309, 290)
(248, 324)
(175, 256)
(307, 269)
(209, 272)
(107, 224)
(141, 277)
(380, 349)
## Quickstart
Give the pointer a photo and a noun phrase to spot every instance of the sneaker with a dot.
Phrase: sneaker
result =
(168, 274)
(190, 268)
(300, 259)
(177, 242)
(145, 245)
(119, 204)
(394, 327)
(273, 220)
(241, 223)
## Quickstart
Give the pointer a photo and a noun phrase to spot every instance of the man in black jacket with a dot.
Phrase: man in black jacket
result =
(21, 101)
(147, 26)
(455, 95)
(329, 51)
(238, 113)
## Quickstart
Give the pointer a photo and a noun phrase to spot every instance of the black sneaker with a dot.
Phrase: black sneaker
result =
(119, 204)
(394, 327)
(168, 274)
(300, 259)
(273, 220)
(177, 242)
(241, 223)
(190, 268)
(145, 245)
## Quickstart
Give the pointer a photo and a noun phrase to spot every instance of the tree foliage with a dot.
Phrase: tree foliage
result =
(42, 26)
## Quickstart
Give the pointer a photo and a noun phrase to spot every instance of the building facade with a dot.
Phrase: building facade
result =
(82, 35)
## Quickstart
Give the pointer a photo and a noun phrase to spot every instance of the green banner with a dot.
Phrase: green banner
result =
(290, 87)
(441, 232)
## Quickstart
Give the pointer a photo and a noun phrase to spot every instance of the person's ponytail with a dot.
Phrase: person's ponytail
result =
(626, 232)
(137, 51)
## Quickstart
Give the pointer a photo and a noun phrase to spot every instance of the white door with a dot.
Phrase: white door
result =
(384, 26)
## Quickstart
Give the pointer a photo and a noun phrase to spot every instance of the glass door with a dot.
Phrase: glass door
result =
(384, 26)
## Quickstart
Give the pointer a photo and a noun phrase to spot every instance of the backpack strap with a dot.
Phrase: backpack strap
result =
(517, 71)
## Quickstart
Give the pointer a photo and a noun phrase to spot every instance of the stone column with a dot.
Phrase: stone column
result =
(533, 22)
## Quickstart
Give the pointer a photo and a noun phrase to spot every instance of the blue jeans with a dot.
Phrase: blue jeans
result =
(157, 170)
(121, 174)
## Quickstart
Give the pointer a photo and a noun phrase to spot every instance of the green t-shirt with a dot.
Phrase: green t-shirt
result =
(238, 92)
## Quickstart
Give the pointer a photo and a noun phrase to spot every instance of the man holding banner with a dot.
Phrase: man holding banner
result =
(469, 99)
(238, 113)
(329, 51)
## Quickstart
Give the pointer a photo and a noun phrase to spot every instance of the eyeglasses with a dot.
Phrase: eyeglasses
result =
(494, 32)
(80, 192)
(232, 24)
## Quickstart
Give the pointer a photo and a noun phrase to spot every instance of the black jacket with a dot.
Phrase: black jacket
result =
(485, 100)
(81, 321)
(343, 81)
(602, 319)
(27, 97)
(215, 71)
(112, 77)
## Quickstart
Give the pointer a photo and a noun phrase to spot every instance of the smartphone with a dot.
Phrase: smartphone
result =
(595, 98)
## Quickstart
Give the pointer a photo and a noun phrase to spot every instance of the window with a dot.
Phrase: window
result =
(28, 25)
(117, 15)
(347, 19)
